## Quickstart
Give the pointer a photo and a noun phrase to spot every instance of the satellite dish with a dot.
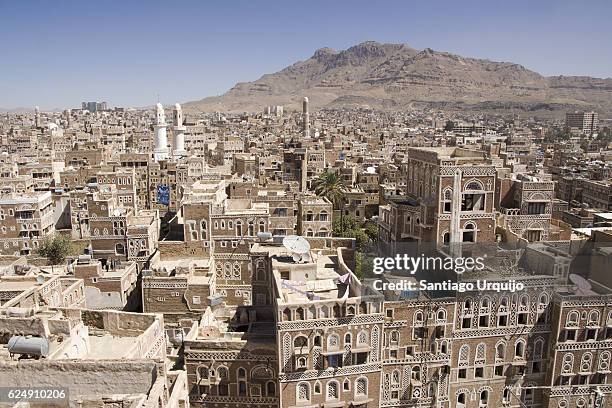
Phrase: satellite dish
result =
(583, 286)
(296, 244)
(40, 279)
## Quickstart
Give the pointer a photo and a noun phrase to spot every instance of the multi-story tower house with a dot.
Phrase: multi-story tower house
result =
(597, 194)
(231, 230)
(283, 207)
(499, 342)
(314, 218)
(579, 371)
(416, 351)
(527, 207)
(25, 220)
(329, 335)
(117, 233)
(295, 167)
(450, 198)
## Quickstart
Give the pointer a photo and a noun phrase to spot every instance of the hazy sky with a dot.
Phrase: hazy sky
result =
(58, 53)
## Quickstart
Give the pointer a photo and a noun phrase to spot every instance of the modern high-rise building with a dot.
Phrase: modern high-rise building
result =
(585, 121)
(94, 107)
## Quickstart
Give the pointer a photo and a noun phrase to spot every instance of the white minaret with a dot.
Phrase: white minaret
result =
(68, 117)
(178, 147)
(161, 139)
(37, 121)
(305, 118)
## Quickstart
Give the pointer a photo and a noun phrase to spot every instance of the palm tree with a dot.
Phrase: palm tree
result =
(331, 186)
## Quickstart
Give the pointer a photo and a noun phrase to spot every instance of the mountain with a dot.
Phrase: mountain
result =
(393, 76)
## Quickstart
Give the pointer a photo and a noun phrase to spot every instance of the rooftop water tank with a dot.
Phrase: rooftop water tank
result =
(32, 346)
(264, 236)
(19, 311)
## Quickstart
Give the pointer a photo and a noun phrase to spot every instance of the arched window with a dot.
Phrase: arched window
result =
(481, 352)
(568, 363)
(538, 349)
(593, 318)
(506, 395)
(347, 339)
(303, 392)
(241, 373)
(262, 226)
(519, 349)
(394, 337)
(333, 342)
(238, 228)
(464, 353)
(585, 362)
(416, 373)
(395, 378)
(119, 249)
(418, 317)
(500, 351)
(300, 342)
(361, 387)
(572, 319)
(469, 232)
(484, 398)
(251, 229)
(474, 185)
(332, 390)
(362, 337)
(447, 196)
(503, 303)
(604, 361)
(484, 302)
(301, 363)
(271, 389)
(446, 238)
(202, 372)
(222, 373)
(461, 399)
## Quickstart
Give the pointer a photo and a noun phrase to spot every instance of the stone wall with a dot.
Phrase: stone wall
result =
(82, 378)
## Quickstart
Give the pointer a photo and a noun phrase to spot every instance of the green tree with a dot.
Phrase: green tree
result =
(331, 186)
(57, 248)
(344, 225)
(372, 231)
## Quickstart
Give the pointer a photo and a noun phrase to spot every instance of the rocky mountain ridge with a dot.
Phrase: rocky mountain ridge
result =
(395, 76)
